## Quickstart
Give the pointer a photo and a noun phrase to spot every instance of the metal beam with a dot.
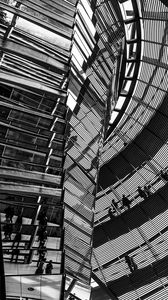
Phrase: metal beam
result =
(30, 176)
(71, 286)
(31, 84)
(27, 189)
(63, 19)
(64, 31)
(135, 20)
(25, 110)
(33, 55)
(63, 6)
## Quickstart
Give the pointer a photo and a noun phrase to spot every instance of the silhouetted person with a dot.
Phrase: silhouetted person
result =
(114, 205)
(17, 239)
(147, 190)
(9, 212)
(41, 250)
(49, 268)
(43, 219)
(125, 201)
(110, 212)
(40, 265)
(7, 231)
(130, 262)
(42, 235)
(41, 258)
(164, 175)
(39, 270)
(42, 253)
(42, 244)
(18, 222)
(142, 193)
(15, 254)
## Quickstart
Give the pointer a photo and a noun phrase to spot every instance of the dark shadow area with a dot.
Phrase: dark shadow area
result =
(140, 277)
(144, 146)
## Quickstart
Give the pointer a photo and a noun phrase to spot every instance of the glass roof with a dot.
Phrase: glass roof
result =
(74, 74)
(132, 159)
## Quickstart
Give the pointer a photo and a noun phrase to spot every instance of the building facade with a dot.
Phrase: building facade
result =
(83, 149)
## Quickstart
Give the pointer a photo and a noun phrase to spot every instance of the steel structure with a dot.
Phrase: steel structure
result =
(83, 107)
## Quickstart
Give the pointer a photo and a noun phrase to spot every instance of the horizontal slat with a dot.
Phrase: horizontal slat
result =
(30, 176)
(21, 189)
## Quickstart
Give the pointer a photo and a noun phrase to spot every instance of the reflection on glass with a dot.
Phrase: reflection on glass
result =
(42, 33)
(44, 287)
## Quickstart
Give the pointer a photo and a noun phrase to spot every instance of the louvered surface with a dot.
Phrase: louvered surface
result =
(144, 153)
(136, 244)
(82, 273)
(76, 245)
(35, 45)
(147, 143)
(142, 257)
(76, 172)
(71, 254)
(85, 229)
(144, 211)
(140, 161)
(147, 70)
